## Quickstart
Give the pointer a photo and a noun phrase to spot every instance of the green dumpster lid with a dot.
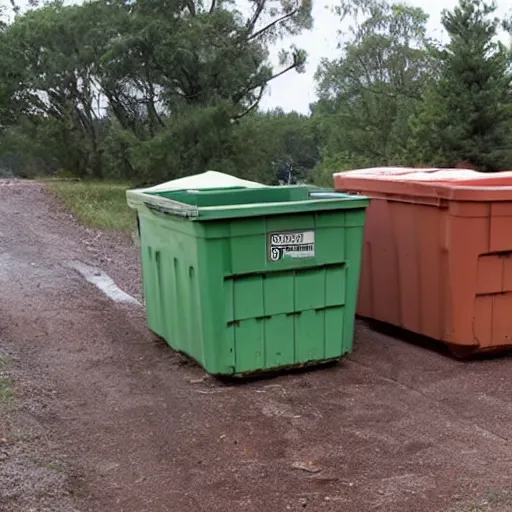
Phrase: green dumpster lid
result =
(212, 204)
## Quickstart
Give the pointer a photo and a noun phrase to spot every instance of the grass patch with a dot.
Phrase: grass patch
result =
(41, 462)
(19, 435)
(5, 390)
(5, 382)
(96, 204)
(491, 502)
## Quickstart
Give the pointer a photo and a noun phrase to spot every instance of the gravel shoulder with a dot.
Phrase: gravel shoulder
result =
(96, 414)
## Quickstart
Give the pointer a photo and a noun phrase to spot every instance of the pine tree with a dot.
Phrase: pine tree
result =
(466, 116)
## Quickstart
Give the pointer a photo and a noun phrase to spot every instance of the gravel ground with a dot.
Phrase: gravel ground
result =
(105, 417)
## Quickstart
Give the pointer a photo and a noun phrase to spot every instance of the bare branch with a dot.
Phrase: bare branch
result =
(251, 107)
(150, 103)
(285, 70)
(191, 7)
(273, 24)
(15, 7)
(262, 90)
(212, 7)
(365, 70)
(260, 5)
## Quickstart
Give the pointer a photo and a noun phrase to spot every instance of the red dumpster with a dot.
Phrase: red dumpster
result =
(438, 253)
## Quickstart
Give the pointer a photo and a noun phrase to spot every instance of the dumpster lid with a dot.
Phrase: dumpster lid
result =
(415, 174)
(208, 179)
(433, 184)
(214, 204)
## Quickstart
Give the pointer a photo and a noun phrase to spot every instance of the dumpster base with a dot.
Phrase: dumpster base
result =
(463, 352)
(261, 372)
(268, 372)
(459, 352)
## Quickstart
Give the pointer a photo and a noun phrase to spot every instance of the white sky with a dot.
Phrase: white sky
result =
(294, 91)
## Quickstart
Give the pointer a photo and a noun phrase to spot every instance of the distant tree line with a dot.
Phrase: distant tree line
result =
(150, 90)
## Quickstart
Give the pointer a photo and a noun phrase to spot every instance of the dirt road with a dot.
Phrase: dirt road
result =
(105, 418)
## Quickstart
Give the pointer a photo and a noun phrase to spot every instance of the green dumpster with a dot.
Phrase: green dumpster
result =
(247, 280)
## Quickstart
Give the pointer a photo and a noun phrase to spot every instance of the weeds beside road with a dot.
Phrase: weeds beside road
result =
(100, 205)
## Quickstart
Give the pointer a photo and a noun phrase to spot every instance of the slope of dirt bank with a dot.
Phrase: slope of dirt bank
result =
(103, 417)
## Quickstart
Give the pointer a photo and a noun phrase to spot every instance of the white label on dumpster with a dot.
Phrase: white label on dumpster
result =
(291, 244)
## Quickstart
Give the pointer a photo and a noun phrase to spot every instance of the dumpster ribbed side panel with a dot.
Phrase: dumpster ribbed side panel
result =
(404, 276)
(171, 288)
(287, 317)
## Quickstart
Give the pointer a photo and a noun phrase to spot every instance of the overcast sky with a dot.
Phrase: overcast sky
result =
(294, 91)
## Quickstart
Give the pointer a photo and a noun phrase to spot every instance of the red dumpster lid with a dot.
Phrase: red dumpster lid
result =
(432, 183)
